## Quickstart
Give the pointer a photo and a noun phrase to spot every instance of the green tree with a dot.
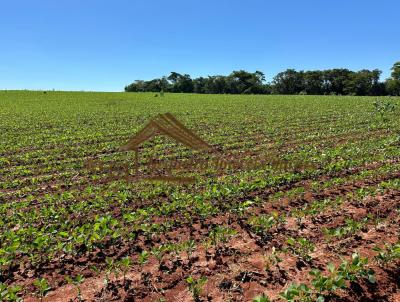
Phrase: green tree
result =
(364, 82)
(199, 85)
(314, 82)
(180, 83)
(244, 82)
(396, 71)
(392, 87)
(393, 84)
(288, 82)
(335, 80)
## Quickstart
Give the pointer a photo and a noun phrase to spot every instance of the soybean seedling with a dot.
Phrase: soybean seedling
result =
(110, 267)
(302, 248)
(158, 252)
(143, 257)
(272, 259)
(42, 287)
(77, 281)
(124, 264)
(196, 286)
(190, 247)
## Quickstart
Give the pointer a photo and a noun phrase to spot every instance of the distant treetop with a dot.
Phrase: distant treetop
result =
(316, 82)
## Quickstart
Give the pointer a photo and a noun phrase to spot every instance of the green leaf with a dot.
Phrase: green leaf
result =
(291, 241)
(331, 267)
(371, 278)
(63, 234)
(320, 299)
(262, 298)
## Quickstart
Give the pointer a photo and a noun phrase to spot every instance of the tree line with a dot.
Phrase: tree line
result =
(339, 81)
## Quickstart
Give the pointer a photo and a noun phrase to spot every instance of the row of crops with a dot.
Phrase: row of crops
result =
(323, 229)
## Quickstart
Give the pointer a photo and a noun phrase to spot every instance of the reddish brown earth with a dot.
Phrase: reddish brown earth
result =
(236, 270)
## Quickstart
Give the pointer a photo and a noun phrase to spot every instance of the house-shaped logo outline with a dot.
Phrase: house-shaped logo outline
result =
(168, 125)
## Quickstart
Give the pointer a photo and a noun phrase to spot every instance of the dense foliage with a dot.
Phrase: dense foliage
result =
(319, 82)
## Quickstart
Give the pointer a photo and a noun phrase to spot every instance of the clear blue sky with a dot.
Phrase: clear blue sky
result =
(104, 45)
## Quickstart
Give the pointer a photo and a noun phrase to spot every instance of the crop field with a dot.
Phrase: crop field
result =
(309, 212)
